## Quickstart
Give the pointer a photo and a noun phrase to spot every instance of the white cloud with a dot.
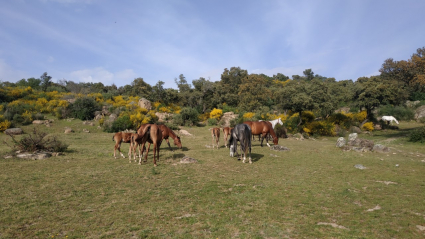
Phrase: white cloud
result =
(99, 74)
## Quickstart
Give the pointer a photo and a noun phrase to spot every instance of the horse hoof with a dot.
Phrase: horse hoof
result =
(155, 165)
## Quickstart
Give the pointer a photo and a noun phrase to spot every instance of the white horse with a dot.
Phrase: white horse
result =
(389, 119)
(275, 122)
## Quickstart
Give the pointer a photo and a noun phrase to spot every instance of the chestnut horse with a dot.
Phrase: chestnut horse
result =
(215, 134)
(153, 135)
(226, 133)
(262, 128)
(121, 137)
(167, 132)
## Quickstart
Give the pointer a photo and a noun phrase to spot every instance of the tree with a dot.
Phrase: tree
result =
(159, 93)
(308, 74)
(371, 92)
(253, 93)
(140, 88)
(203, 92)
(46, 81)
(182, 84)
(228, 86)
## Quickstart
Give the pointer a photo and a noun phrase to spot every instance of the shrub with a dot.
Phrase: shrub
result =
(84, 108)
(121, 123)
(417, 135)
(324, 128)
(216, 114)
(248, 116)
(187, 116)
(36, 141)
(280, 131)
(368, 126)
(212, 121)
(399, 112)
(5, 125)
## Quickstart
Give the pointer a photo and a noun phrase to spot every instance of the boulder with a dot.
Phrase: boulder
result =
(14, 131)
(420, 112)
(68, 131)
(162, 116)
(279, 148)
(344, 109)
(340, 142)
(364, 144)
(380, 148)
(227, 117)
(355, 129)
(352, 137)
(144, 103)
(412, 104)
(187, 159)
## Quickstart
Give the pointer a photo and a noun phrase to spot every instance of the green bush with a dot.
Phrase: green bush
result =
(120, 124)
(187, 116)
(84, 108)
(417, 135)
(280, 131)
(399, 112)
(212, 121)
(36, 141)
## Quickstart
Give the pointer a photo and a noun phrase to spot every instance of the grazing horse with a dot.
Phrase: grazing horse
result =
(215, 134)
(389, 119)
(275, 122)
(262, 128)
(153, 135)
(121, 137)
(241, 133)
(226, 133)
(167, 132)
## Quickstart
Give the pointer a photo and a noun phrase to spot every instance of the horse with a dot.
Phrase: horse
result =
(122, 137)
(226, 133)
(167, 132)
(262, 128)
(275, 122)
(153, 135)
(389, 119)
(215, 134)
(241, 133)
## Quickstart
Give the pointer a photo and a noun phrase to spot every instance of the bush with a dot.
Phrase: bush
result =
(120, 124)
(187, 116)
(417, 135)
(84, 108)
(280, 131)
(399, 112)
(212, 121)
(324, 128)
(36, 141)
(368, 126)
(216, 114)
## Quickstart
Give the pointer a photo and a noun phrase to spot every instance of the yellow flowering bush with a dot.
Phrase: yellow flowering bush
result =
(368, 126)
(204, 116)
(361, 116)
(5, 125)
(324, 128)
(248, 116)
(216, 114)
(164, 109)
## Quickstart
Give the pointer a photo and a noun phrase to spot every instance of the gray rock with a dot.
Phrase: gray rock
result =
(35, 156)
(14, 131)
(340, 142)
(380, 148)
(359, 166)
(187, 159)
(279, 148)
(355, 129)
(420, 112)
(352, 137)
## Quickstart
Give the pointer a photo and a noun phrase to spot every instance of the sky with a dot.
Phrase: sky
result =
(115, 42)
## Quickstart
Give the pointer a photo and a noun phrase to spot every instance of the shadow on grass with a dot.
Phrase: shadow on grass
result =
(254, 157)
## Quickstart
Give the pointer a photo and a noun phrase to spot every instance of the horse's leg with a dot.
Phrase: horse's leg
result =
(147, 152)
(119, 149)
(155, 153)
(168, 142)
(267, 140)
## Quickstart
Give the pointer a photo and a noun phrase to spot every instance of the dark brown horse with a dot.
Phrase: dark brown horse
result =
(215, 134)
(262, 128)
(122, 137)
(153, 135)
(226, 133)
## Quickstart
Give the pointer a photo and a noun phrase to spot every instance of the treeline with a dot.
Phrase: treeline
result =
(241, 92)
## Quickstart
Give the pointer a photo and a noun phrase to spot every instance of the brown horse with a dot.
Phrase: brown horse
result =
(226, 133)
(153, 135)
(215, 134)
(121, 137)
(167, 132)
(262, 128)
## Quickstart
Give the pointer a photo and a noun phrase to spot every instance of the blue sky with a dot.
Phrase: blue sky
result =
(114, 42)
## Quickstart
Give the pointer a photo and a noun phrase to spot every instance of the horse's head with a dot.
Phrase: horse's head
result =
(279, 120)
(178, 142)
(275, 140)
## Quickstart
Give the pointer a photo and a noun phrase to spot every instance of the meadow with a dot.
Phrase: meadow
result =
(311, 191)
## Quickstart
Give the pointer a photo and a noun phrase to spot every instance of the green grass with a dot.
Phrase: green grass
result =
(86, 193)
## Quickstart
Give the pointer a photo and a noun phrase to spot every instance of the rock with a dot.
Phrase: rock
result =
(377, 127)
(227, 117)
(88, 123)
(38, 122)
(279, 148)
(144, 103)
(355, 129)
(344, 109)
(359, 166)
(340, 142)
(162, 116)
(35, 156)
(86, 131)
(68, 130)
(366, 144)
(412, 104)
(420, 112)
(14, 131)
(184, 132)
(187, 159)
(380, 148)
(352, 137)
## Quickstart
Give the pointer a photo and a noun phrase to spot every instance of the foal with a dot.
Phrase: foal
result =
(119, 138)
(226, 131)
(215, 134)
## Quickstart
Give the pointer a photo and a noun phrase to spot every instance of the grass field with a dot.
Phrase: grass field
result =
(311, 191)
